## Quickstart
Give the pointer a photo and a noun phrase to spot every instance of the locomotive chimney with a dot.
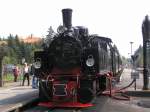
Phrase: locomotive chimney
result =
(67, 18)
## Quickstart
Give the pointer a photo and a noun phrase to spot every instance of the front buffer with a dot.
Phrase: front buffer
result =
(65, 94)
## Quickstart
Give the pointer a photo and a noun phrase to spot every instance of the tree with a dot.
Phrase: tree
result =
(17, 50)
(3, 52)
(139, 54)
(49, 37)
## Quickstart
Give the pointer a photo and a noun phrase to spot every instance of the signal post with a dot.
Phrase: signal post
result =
(146, 41)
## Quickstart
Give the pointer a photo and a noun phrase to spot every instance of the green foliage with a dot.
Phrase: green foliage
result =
(3, 51)
(10, 77)
(18, 49)
(139, 59)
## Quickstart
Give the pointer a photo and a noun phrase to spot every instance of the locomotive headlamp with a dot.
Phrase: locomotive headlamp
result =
(90, 61)
(37, 63)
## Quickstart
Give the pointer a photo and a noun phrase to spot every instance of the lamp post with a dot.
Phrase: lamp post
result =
(146, 38)
(133, 65)
(131, 47)
(131, 55)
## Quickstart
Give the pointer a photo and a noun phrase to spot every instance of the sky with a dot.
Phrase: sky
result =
(120, 20)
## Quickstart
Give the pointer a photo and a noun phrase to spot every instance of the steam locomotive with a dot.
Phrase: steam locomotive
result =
(73, 64)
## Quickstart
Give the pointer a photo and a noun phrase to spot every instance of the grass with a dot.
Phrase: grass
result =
(10, 77)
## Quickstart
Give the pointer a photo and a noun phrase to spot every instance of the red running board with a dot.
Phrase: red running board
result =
(68, 104)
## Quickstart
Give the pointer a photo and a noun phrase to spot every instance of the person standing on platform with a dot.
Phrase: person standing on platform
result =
(26, 74)
(34, 78)
(16, 73)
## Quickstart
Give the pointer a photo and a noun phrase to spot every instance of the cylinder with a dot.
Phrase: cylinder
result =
(67, 18)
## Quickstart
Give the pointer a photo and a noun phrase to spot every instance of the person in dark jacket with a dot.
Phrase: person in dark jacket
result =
(34, 78)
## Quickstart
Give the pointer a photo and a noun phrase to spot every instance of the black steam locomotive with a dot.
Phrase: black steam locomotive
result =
(73, 64)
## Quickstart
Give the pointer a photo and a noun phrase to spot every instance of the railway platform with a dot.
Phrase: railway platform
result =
(13, 97)
(138, 102)
(142, 96)
(126, 79)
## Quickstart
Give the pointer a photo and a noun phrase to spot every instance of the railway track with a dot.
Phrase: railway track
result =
(99, 102)
(40, 109)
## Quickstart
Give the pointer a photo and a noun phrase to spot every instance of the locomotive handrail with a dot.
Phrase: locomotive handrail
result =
(49, 76)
